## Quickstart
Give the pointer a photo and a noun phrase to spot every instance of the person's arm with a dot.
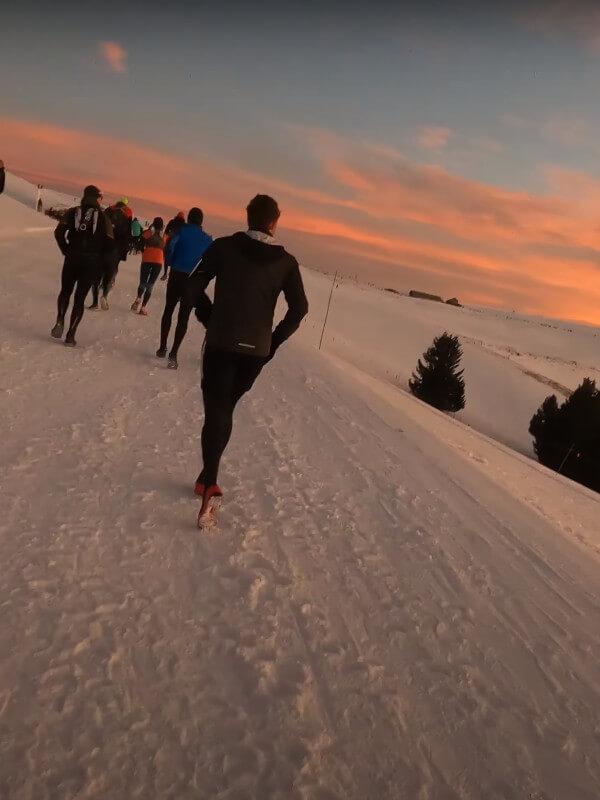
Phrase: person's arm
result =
(169, 254)
(203, 274)
(60, 232)
(293, 290)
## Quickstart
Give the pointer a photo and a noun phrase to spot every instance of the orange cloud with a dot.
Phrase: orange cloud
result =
(433, 138)
(429, 195)
(374, 213)
(114, 55)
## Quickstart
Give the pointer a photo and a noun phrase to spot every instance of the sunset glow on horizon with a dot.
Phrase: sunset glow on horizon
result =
(420, 160)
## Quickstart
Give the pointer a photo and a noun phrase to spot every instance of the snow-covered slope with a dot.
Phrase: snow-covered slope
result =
(17, 219)
(511, 361)
(26, 193)
(395, 607)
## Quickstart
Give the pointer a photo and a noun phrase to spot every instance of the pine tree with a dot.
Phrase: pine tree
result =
(548, 444)
(567, 437)
(438, 381)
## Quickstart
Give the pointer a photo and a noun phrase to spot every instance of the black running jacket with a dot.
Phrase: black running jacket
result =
(249, 277)
(84, 230)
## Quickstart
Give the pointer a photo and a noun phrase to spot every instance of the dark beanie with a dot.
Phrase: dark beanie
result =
(92, 192)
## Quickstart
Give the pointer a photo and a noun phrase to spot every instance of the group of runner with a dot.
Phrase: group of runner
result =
(250, 270)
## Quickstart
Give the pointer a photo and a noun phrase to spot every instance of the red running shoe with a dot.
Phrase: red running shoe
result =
(211, 502)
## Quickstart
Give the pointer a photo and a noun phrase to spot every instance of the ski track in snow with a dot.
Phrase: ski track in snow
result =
(376, 618)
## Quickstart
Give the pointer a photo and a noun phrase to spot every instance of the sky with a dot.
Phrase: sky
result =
(446, 147)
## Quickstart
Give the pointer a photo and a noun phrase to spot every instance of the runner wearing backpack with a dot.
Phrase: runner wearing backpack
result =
(121, 229)
(84, 236)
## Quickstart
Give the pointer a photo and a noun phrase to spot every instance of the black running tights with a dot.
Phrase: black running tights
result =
(78, 274)
(226, 377)
(107, 280)
(176, 293)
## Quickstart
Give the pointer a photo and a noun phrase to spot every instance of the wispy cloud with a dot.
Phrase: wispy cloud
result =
(562, 126)
(515, 121)
(581, 17)
(457, 144)
(487, 144)
(432, 138)
(114, 56)
(565, 128)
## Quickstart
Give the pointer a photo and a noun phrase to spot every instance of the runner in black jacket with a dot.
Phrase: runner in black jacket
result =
(250, 271)
(173, 225)
(114, 255)
(84, 237)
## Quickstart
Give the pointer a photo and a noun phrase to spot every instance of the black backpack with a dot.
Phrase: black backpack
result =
(87, 230)
(121, 229)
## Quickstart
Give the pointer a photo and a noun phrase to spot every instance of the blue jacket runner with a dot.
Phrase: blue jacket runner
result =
(187, 247)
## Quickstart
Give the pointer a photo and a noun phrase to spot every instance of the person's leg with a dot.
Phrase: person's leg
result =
(144, 274)
(88, 275)
(248, 370)
(185, 309)
(98, 285)
(173, 297)
(153, 274)
(68, 279)
(110, 273)
(183, 318)
(95, 288)
(218, 378)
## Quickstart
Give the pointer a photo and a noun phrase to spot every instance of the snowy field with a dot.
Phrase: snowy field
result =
(512, 362)
(395, 607)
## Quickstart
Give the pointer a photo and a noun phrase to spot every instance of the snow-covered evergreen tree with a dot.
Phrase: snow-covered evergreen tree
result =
(437, 379)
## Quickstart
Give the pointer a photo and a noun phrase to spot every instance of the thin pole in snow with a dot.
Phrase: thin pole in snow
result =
(327, 312)
(565, 458)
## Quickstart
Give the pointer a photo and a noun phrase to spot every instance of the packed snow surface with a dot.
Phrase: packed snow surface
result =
(395, 606)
